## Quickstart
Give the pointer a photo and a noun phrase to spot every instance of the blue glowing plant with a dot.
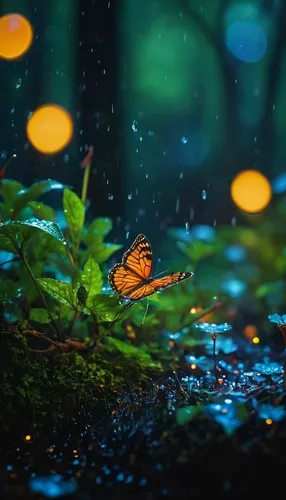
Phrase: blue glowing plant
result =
(213, 329)
(280, 321)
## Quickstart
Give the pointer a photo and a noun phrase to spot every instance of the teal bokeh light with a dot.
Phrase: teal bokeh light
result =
(246, 40)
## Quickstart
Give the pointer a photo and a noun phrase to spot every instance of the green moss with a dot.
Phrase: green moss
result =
(52, 387)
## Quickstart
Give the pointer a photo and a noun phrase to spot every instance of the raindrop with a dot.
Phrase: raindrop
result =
(181, 175)
(3, 155)
(187, 228)
(204, 194)
(130, 196)
(135, 126)
(177, 205)
(12, 110)
(184, 139)
(110, 196)
(18, 84)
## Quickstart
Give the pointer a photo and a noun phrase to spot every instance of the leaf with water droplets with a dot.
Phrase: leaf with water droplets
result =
(41, 210)
(74, 213)
(106, 307)
(13, 234)
(60, 290)
(24, 196)
(91, 279)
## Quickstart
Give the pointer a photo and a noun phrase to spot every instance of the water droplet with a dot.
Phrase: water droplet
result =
(18, 84)
(181, 175)
(177, 205)
(184, 139)
(3, 155)
(187, 228)
(150, 133)
(233, 221)
(12, 110)
(135, 126)
(65, 242)
(204, 194)
(130, 196)
(110, 196)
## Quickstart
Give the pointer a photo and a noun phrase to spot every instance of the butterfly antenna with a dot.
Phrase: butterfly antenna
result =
(146, 310)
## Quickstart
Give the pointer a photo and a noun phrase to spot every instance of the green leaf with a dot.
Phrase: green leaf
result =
(15, 233)
(91, 279)
(41, 210)
(130, 350)
(60, 290)
(9, 190)
(39, 315)
(74, 213)
(24, 196)
(97, 230)
(106, 307)
(101, 252)
(186, 414)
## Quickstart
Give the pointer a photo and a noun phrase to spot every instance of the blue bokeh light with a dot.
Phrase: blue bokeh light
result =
(53, 486)
(246, 40)
(279, 184)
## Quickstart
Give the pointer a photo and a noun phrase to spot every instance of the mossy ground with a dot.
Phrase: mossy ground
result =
(50, 388)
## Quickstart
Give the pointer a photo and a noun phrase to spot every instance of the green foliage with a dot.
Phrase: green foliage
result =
(60, 291)
(74, 213)
(15, 234)
(91, 279)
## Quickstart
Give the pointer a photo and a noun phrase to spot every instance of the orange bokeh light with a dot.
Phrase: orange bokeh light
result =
(50, 128)
(251, 191)
(16, 36)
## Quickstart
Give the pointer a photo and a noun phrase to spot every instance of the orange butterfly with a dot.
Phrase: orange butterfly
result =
(132, 278)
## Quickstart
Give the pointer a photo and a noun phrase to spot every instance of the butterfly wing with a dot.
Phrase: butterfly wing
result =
(139, 257)
(136, 267)
(158, 284)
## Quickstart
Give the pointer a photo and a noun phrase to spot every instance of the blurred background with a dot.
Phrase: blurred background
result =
(177, 97)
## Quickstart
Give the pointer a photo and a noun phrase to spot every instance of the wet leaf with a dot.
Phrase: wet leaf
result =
(106, 307)
(98, 230)
(13, 234)
(74, 213)
(41, 210)
(91, 279)
(60, 290)
(26, 195)
(130, 350)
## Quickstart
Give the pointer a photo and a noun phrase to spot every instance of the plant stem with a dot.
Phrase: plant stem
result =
(282, 329)
(74, 318)
(214, 358)
(22, 255)
(85, 182)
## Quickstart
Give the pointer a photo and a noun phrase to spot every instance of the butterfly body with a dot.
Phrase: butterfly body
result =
(132, 278)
